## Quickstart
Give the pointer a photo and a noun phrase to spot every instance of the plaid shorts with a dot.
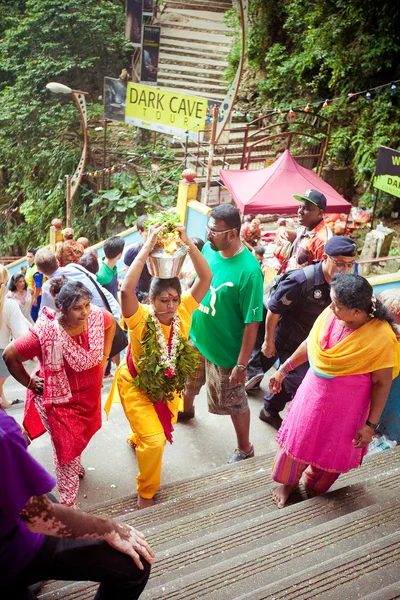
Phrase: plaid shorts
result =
(223, 397)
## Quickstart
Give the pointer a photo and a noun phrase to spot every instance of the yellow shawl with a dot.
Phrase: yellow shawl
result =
(371, 347)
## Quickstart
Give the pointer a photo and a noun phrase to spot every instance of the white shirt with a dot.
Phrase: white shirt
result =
(13, 322)
(83, 276)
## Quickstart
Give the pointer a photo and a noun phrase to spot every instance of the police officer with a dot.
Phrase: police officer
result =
(292, 311)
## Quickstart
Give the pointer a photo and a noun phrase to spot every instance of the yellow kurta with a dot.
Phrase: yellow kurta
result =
(148, 433)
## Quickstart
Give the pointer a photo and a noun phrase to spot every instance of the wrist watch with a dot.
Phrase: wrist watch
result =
(241, 368)
(373, 426)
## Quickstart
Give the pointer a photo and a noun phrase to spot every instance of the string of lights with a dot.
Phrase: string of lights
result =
(367, 93)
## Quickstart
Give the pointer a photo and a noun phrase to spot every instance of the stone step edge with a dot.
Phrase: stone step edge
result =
(200, 6)
(390, 592)
(174, 496)
(269, 528)
(203, 481)
(205, 52)
(345, 568)
(220, 45)
(206, 16)
(187, 78)
(261, 559)
(164, 557)
(193, 84)
(249, 507)
(191, 23)
(211, 38)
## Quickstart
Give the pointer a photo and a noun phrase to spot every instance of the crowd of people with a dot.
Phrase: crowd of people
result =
(321, 323)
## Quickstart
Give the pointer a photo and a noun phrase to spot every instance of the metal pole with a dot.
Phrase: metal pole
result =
(211, 154)
(154, 146)
(186, 150)
(75, 180)
(68, 203)
(374, 209)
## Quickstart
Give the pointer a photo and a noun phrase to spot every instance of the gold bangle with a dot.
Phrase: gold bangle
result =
(28, 387)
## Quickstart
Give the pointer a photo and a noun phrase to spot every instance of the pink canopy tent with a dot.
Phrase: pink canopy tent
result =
(271, 190)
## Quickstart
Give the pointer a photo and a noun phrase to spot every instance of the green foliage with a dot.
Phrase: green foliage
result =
(151, 376)
(78, 43)
(304, 52)
(72, 42)
(232, 21)
(166, 219)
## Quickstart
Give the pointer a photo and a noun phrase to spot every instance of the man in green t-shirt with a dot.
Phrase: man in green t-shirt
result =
(224, 328)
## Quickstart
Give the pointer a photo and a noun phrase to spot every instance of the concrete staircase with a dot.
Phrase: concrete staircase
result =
(220, 537)
(194, 47)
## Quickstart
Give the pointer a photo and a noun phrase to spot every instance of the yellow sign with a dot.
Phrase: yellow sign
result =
(387, 171)
(163, 110)
(388, 183)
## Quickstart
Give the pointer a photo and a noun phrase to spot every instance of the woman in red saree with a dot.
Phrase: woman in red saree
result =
(64, 391)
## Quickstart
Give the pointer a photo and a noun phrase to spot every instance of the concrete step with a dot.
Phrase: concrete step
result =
(350, 575)
(234, 481)
(221, 537)
(199, 70)
(212, 6)
(210, 78)
(208, 89)
(389, 592)
(205, 15)
(204, 94)
(241, 534)
(185, 492)
(224, 577)
(180, 46)
(212, 63)
(182, 34)
(207, 52)
(197, 23)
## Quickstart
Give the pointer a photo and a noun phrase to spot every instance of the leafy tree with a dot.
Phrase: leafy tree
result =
(301, 51)
(74, 42)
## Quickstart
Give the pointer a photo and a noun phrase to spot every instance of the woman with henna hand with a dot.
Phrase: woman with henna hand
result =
(148, 383)
(64, 391)
(353, 355)
(41, 540)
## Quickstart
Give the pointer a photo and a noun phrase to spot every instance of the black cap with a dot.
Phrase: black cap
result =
(340, 246)
(314, 197)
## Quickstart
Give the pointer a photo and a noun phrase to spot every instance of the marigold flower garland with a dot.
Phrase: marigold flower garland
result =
(163, 367)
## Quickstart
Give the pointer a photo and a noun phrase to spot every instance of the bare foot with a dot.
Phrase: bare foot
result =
(144, 502)
(281, 494)
(130, 440)
(310, 492)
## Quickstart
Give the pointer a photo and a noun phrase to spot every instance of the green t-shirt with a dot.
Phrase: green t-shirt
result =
(234, 299)
(105, 275)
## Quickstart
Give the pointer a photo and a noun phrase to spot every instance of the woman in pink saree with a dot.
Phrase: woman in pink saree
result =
(353, 355)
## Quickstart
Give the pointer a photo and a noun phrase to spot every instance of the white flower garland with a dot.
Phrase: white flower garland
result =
(167, 357)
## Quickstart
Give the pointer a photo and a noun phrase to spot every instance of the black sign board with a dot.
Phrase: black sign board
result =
(148, 7)
(150, 53)
(133, 26)
(387, 171)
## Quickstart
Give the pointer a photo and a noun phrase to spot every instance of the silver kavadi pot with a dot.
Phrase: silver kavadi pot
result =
(164, 265)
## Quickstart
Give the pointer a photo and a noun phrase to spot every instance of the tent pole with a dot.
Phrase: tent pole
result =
(211, 154)
(374, 209)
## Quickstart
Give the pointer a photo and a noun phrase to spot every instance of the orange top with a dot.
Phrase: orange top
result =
(309, 246)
